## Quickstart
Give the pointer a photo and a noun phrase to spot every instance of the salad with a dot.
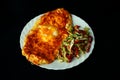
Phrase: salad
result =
(75, 45)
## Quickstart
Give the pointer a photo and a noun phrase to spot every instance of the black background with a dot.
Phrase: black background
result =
(100, 15)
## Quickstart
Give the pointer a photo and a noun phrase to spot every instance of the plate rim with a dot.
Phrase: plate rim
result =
(44, 66)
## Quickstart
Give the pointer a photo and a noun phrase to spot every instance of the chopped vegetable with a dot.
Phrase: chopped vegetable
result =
(76, 44)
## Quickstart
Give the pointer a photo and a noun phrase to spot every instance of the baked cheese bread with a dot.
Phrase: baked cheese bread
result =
(43, 41)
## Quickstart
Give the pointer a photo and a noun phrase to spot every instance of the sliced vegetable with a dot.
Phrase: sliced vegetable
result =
(69, 57)
(90, 39)
(87, 48)
(76, 28)
(76, 44)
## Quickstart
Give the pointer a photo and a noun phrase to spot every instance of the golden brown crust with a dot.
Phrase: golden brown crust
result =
(58, 18)
(44, 39)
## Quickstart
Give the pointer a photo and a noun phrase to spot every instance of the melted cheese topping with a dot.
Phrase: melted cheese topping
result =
(48, 33)
(44, 39)
(43, 42)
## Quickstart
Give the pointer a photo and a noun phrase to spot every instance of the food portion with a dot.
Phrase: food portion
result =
(59, 18)
(53, 37)
(75, 45)
(41, 45)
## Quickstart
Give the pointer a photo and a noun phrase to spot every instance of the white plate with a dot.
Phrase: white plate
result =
(56, 65)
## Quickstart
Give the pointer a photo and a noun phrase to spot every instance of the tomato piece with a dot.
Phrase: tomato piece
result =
(76, 28)
(76, 41)
(79, 41)
(82, 31)
(87, 48)
(76, 51)
(70, 57)
(90, 38)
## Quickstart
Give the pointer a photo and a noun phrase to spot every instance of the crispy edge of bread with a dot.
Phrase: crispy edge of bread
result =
(34, 59)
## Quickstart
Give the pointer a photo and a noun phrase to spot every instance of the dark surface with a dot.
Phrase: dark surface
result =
(99, 15)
